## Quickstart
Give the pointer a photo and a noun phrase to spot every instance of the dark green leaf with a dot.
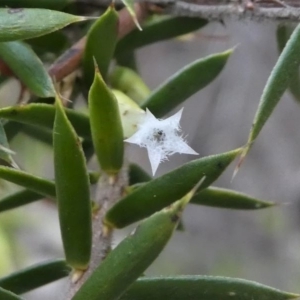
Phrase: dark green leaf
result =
(100, 44)
(202, 288)
(161, 28)
(137, 174)
(35, 276)
(127, 60)
(283, 34)
(5, 152)
(7, 295)
(52, 4)
(164, 190)
(41, 134)
(27, 67)
(106, 126)
(34, 183)
(24, 197)
(132, 256)
(185, 83)
(43, 115)
(225, 198)
(21, 24)
(54, 42)
(279, 80)
(18, 199)
(72, 190)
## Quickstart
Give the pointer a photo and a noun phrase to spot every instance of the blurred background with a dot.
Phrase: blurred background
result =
(257, 245)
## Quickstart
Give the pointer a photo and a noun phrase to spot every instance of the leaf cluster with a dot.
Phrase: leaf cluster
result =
(116, 98)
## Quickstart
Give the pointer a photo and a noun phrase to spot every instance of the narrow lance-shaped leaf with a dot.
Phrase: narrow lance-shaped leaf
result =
(27, 67)
(137, 174)
(38, 192)
(18, 199)
(52, 4)
(7, 295)
(130, 83)
(158, 29)
(5, 152)
(202, 287)
(219, 197)
(127, 60)
(21, 24)
(35, 276)
(42, 115)
(283, 34)
(34, 183)
(106, 127)
(41, 134)
(72, 191)
(100, 44)
(225, 198)
(132, 256)
(286, 66)
(185, 83)
(130, 7)
(164, 190)
(55, 42)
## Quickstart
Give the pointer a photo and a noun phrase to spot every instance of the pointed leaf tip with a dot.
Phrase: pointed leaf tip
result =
(186, 82)
(157, 194)
(72, 191)
(130, 7)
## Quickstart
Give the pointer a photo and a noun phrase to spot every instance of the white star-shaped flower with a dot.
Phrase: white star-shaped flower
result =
(162, 138)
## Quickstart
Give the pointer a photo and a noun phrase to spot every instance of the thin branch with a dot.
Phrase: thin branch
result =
(70, 60)
(245, 10)
(107, 194)
(258, 10)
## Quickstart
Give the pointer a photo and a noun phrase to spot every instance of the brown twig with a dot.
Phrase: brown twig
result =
(70, 60)
(259, 10)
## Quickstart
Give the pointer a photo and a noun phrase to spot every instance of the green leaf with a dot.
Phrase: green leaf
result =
(52, 4)
(224, 198)
(100, 44)
(35, 276)
(21, 24)
(185, 83)
(34, 183)
(132, 256)
(127, 60)
(130, 83)
(283, 34)
(279, 80)
(72, 190)
(159, 29)
(202, 287)
(106, 126)
(42, 115)
(55, 42)
(7, 295)
(137, 174)
(41, 134)
(130, 7)
(164, 190)
(28, 68)
(18, 199)
(5, 152)
(27, 196)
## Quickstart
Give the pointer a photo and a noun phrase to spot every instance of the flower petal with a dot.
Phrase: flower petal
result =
(155, 158)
